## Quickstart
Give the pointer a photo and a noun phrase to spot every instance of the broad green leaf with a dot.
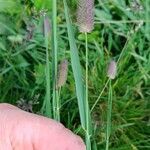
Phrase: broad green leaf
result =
(75, 62)
(43, 4)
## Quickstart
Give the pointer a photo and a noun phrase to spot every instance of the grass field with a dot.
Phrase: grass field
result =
(48, 67)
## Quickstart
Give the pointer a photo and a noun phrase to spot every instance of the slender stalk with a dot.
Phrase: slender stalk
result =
(57, 106)
(122, 21)
(100, 95)
(56, 114)
(88, 142)
(109, 111)
(48, 98)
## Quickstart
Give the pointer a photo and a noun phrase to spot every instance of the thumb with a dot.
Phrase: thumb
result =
(31, 131)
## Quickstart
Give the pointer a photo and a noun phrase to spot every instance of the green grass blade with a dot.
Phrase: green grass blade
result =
(76, 68)
(47, 101)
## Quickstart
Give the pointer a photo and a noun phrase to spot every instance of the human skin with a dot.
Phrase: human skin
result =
(20, 130)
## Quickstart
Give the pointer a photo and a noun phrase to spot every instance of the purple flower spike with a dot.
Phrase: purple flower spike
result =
(46, 26)
(62, 73)
(112, 70)
(85, 15)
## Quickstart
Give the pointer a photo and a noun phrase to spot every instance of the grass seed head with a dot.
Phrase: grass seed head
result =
(112, 70)
(46, 26)
(62, 73)
(85, 15)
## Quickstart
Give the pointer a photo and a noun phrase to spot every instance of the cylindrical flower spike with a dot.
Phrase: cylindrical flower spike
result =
(46, 26)
(112, 70)
(62, 73)
(85, 15)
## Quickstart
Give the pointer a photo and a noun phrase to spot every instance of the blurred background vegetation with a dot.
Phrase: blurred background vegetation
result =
(120, 25)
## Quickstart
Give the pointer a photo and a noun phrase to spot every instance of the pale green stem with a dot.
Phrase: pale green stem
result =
(48, 98)
(88, 142)
(56, 103)
(100, 95)
(109, 113)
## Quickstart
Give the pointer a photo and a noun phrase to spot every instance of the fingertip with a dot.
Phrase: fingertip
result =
(79, 143)
(7, 106)
(53, 133)
(72, 141)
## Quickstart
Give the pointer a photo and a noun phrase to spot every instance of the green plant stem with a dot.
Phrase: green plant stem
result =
(88, 142)
(56, 103)
(58, 106)
(121, 21)
(100, 95)
(109, 112)
(48, 98)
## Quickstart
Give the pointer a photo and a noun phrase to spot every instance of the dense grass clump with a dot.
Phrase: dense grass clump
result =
(50, 64)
